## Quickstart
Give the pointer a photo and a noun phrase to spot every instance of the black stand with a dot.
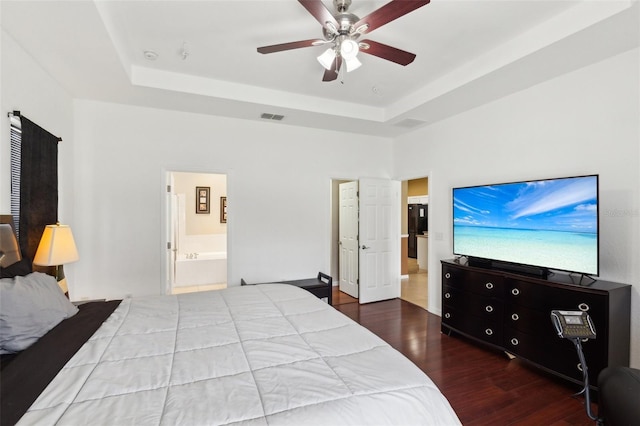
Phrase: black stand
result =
(585, 377)
(583, 280)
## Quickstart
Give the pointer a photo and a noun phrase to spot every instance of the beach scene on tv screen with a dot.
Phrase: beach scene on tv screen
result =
(548, 223)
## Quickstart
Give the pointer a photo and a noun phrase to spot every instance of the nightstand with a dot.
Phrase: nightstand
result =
(321, 286)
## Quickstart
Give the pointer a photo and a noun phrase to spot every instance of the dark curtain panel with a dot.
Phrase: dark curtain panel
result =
(38, 185)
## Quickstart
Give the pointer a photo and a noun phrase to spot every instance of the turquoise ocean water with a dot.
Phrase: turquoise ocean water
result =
(569, 251)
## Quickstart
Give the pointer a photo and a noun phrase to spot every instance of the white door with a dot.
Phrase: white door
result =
(348, 236)
(379, 240)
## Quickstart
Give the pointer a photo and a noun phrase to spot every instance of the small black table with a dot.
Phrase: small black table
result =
(320, 286)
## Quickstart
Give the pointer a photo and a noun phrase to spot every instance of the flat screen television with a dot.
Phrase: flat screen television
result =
(544, 224)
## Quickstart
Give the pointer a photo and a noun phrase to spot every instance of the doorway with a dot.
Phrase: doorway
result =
(365, 244)
(197, 232)
(415, 234)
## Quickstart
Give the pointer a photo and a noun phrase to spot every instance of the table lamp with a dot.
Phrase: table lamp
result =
(56, 248)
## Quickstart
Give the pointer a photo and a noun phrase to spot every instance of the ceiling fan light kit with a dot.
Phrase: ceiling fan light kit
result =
(327, 58)
(342, 30)
(349, 51)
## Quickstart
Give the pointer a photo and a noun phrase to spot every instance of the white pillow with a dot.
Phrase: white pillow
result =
(30, 306)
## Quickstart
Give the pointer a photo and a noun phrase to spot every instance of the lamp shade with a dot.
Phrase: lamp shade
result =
(349, 49)
(327, 58)
(57, 246)
(352, 63)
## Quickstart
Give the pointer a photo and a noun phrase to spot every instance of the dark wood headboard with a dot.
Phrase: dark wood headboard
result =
(7, 218)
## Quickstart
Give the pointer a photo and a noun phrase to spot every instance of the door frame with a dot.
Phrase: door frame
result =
(348, 241)
(334, 220)
(166, 217)
(433, 291)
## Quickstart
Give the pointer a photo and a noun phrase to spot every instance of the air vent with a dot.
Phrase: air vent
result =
(267, 116)
(409, 123)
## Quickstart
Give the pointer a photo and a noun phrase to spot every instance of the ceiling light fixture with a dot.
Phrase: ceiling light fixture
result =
(342, 30)
(150, 55)
(347, 48)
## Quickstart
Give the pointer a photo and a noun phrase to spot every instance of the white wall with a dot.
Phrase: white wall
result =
(580, 123)
(278, 189)
(26, 87)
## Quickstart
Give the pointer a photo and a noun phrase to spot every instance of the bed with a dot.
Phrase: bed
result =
(255, 355)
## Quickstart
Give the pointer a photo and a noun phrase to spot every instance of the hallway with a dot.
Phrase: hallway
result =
(414, 288)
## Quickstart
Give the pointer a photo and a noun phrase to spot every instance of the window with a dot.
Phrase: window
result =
(16, 139)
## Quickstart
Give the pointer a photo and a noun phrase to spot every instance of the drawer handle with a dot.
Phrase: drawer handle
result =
(515, 317)
(447, 315)
(447, 295)
(489, 308)
(583, 307)
(515, 292)
(489, 286)
(488, 332)
(447, 275)
(514, 342)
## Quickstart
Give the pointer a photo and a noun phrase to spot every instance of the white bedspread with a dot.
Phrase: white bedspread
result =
(266, 354)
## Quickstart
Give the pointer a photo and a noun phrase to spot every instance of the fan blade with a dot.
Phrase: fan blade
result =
(332, 74)
(288, 46)
(319, 11)
(389, 12)
(387, 52)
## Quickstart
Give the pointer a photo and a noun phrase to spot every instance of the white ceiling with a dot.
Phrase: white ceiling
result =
(469, 52)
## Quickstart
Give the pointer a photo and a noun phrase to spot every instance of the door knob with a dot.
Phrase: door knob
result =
(365, 247)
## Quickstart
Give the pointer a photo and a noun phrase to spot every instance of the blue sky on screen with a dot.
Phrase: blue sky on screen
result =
(568, 204)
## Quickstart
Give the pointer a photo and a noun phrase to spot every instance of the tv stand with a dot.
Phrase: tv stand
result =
(584, 280)
(511, 312)
(531, 271)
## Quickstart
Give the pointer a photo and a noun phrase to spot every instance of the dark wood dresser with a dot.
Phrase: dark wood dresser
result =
(511, 312)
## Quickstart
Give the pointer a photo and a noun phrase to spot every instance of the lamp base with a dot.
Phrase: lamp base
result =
(62, 280)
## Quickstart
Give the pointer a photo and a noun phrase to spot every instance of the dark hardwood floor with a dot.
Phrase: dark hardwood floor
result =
(483, 386)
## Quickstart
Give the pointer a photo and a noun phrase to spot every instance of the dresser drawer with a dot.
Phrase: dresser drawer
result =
(478, 327)
(546, 298)
(487, 285)
(529, 346)
(561, 356)
(525, 319)
(487, 308)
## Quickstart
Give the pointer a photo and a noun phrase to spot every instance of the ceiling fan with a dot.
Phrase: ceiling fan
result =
(341, 30)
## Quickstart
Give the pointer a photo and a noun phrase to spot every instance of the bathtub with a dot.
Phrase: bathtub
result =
(200, 268)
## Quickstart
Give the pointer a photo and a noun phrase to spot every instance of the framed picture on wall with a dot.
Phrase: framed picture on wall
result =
(203, 199)
(223, 209)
